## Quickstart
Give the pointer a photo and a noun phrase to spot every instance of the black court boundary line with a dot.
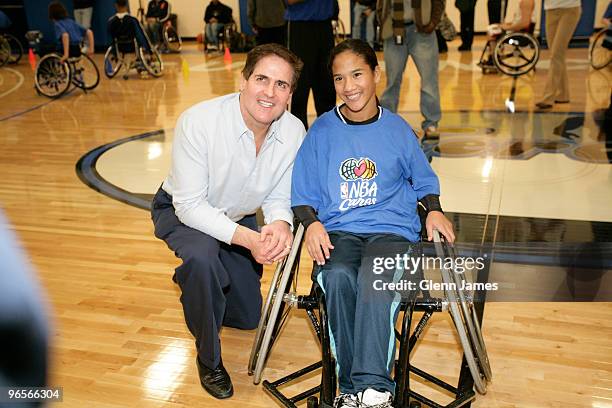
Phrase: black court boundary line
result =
(33, 108)
(88, 174)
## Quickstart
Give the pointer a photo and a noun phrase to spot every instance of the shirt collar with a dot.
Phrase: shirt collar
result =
(241, 127)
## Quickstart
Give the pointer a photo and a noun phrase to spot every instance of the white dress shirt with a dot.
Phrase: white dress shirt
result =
(216, 179)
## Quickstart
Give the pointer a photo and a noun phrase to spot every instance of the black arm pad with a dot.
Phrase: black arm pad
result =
(431, 203)
(305, 214)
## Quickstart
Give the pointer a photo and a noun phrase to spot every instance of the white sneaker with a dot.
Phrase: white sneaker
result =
(375, 399)
(346, 401)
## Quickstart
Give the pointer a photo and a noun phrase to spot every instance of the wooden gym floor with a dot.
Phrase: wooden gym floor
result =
(119, 338)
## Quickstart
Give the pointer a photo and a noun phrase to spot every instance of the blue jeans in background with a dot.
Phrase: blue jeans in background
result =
(423, 49)
(358, 19)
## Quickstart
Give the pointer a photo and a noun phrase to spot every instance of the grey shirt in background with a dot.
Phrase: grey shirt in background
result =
(266, 13)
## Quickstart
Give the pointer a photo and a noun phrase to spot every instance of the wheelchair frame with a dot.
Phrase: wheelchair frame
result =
(150, 61)
(11, 49)
(599, 56)
(467, 316)
(508, 55)
(224, 37)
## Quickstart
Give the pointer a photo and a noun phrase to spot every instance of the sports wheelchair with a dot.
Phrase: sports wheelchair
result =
(53, 77)
(600, 51)
(511, 53)
(129, 37)
(171, 40)
(465, 313)
(10, 49)
(228, 37)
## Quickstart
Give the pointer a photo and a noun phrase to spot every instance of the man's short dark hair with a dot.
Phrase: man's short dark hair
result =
(265, 50)
(121, 3)
(57, 11)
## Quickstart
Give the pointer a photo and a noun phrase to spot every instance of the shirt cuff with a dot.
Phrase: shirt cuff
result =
(279, 215)
(225, 232)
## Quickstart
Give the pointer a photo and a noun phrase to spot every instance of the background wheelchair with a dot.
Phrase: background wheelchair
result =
(226, 38)
(172, 41)
(126, 52)
(53, 78)
(10, 49)
(512, 53)
(600, 56)
(466, 315)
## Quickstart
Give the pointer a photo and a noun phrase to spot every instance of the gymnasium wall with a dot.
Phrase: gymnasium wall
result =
(191, 12)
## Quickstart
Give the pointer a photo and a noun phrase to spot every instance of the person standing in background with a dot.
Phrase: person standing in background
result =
(494, 10)
(83, 11)
(267, 19)
(467, 9)
(561, 20)
(407, 28)
(364, 10)
(311, 38)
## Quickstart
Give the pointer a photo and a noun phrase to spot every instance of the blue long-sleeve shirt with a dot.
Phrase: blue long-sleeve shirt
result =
(363, 178)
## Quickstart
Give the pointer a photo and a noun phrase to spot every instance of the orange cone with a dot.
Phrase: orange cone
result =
(32, 59)
(227, 57)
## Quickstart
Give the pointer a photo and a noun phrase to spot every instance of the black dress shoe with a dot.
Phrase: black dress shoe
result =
(463, 47)
(216, 382)
(543, 105)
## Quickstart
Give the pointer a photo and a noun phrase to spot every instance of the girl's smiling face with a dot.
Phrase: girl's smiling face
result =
(355, 84)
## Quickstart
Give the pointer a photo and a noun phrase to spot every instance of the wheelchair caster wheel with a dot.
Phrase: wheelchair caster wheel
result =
(312, 402)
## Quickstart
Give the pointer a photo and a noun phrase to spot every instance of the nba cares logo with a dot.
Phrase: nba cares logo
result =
(354, 169)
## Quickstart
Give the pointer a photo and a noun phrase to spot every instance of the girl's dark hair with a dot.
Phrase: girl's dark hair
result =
(57, 11)
(358, 47)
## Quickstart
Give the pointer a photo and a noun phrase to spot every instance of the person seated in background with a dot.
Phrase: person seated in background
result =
(524, 20)
(124, 28)
(158, 12)
(68, 33)
(216, 16)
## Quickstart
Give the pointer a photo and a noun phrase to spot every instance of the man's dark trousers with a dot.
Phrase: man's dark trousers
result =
(220, 283)
(312, 41)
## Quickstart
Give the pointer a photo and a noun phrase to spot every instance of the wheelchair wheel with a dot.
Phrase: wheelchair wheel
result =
(16, 49)
(151, 60)
(599, 56)
(52, 77)
(460, 320)
(5, 51)
(172, 39)
(112, 62)
(471, 320)
(516, 54)
(85, 73)
(274, 313)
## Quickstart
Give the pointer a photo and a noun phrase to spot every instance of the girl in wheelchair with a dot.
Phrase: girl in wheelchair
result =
(356, 182)
(68, 33)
